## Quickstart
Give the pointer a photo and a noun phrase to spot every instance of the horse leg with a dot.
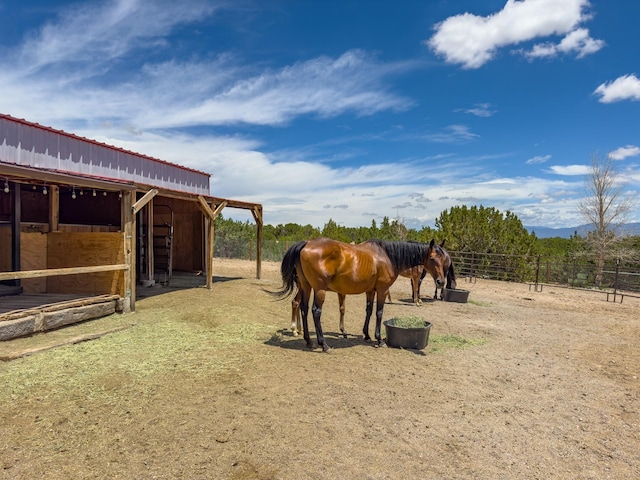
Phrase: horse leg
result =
(379, 308)
(304, 309)
(341, 299)
(318, 300)
(415, 288)
(296, 320)
(451, 278)
(369, 311)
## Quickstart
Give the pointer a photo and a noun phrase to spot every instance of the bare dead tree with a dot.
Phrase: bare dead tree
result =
(605, 209)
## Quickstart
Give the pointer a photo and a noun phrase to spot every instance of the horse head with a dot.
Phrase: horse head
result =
(435, 263)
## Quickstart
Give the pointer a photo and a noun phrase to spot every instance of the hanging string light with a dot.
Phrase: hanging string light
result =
(6, 186)
(73, 193)
(44, 190)
(94, 192)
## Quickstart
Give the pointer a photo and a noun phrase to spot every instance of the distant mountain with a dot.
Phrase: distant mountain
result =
(546, 232)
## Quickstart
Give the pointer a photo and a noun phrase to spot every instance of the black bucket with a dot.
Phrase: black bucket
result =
(455, 295)
(403, 337)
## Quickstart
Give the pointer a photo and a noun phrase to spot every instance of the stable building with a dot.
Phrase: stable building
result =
(83, 224)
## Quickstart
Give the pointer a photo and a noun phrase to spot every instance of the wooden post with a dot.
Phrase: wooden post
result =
(15, 231)
(129, 229)
(210, 247)
(149, 264)
(54, 208)
(257, 215)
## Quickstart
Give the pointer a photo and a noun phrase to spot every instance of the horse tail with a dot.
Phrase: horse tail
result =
(288, 270)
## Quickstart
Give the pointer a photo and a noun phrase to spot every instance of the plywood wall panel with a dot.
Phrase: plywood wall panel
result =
(81, 249)
(33, 256)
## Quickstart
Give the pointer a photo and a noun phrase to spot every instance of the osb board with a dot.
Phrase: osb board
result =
(81, 249)
(33, 256)
(5, 248)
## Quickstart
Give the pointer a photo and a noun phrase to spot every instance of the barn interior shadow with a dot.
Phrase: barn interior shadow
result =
(179, 281)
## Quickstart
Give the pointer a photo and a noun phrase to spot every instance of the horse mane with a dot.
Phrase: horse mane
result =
(403, 255)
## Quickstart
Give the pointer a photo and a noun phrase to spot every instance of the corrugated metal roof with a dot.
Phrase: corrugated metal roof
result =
(32, 145)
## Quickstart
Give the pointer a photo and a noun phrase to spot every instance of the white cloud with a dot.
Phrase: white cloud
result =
(570, 170)
(472, 40)
(538, 159)
(626, 87)
(577, 41)
(624, 152)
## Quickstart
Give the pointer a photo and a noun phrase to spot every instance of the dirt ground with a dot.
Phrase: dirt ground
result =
(212, 385)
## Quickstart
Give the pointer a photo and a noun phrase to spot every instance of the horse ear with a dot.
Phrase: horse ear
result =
(432, 242)
(442, 244)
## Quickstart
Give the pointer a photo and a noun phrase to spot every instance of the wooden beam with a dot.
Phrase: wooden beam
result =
(219, 208)
(50, 272)
(206, 209)
(146, 198)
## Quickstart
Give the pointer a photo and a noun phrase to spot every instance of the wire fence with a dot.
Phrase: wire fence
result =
(616, 277)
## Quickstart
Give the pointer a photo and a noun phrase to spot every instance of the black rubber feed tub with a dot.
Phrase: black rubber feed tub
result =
(404, 337)
(455, 295)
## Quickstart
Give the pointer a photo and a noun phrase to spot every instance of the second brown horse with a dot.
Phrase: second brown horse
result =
(324, 265)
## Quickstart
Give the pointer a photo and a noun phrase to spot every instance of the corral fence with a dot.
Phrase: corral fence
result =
(617, 278)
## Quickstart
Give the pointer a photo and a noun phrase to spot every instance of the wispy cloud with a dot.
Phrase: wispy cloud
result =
(626, 87)
(479, 110)
(452, 134)
(471, 40)
(324, 86)
(538, 159)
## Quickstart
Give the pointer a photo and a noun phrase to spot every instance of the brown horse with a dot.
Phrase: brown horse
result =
(325, 265)
(441, 267)
(416, 274)
(296, 318)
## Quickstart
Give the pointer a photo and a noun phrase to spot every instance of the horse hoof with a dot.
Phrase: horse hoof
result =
(327, 349)
(381, 345)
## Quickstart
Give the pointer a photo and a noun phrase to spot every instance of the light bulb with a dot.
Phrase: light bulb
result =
(44, 190)
(6, 186)
(94, 192)
(73, 193)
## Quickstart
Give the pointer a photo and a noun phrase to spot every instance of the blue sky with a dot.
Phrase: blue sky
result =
(342, 109)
